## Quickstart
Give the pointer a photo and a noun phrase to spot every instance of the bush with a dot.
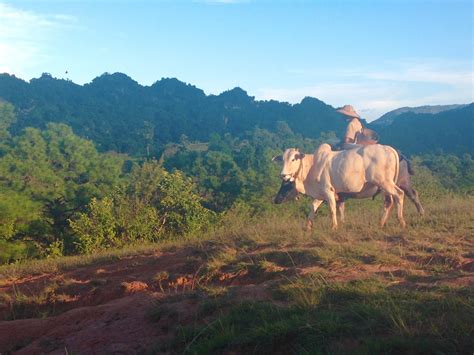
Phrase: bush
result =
(154, 205)
(16, 212)
(428, 185)
(453, 172)
(14, 250)
(95, 229)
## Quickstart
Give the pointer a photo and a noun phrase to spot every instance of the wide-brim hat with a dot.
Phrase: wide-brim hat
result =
(348, 110)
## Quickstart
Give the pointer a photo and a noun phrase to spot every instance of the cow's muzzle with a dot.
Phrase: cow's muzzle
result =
(287, 192)
(287, 177)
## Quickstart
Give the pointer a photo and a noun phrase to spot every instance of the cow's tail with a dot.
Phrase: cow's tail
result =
(397, 165)
(411, 171)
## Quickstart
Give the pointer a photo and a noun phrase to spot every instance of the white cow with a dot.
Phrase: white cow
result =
(326, 173)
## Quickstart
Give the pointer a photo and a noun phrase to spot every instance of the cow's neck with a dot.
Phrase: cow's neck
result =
(303, 172)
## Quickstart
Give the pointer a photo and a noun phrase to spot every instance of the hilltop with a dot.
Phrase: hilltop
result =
(260, 285)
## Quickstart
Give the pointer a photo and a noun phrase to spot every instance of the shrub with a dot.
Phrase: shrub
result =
(14, 250)
(155, 204)
(16, 212)
(95, 229)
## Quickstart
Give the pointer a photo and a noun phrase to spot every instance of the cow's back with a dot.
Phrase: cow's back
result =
(355, 169)
(380, 162)
(347, 171)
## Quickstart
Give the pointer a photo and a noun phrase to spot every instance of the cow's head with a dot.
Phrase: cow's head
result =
(291, 159)
(287, 192)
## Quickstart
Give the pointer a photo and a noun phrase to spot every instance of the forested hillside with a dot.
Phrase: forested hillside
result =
(60, 195)
(118, 114)
(449, 131)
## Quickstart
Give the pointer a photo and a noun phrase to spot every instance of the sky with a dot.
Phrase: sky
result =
(375, 55)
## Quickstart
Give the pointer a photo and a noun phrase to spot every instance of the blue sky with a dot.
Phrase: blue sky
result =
(376, 55)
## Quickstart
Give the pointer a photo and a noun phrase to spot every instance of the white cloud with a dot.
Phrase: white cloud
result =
(375, 92)
(430, 71)
(24, 36)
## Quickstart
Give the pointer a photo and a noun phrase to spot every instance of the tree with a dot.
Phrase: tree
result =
(7, 118)
(52, 173)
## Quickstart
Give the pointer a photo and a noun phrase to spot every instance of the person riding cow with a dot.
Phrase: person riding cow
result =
(354, 128)
(356, 136)
(327, 173)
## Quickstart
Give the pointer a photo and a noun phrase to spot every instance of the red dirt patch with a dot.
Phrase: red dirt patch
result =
(134, 286)
(102, 282)
(118, 325)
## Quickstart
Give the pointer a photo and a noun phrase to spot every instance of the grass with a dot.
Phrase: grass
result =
(64, 263)
(359, 289)
(324, 317)
(21, 304)
(406, 309)
(54, 265)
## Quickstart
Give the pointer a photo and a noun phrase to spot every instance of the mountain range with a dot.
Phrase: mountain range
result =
(119, 114)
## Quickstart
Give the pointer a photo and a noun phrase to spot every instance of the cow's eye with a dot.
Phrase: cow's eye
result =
(293, 159)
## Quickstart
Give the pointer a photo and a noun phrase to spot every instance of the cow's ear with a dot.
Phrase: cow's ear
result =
(299, 156)
(278, 158)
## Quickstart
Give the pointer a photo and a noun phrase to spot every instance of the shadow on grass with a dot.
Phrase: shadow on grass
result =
(292, 258)
(355, 317)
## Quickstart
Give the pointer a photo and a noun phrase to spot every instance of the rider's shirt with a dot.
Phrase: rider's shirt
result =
(354, 128)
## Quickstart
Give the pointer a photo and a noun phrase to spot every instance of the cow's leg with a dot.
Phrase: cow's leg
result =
(341, 209)
(387, 207)
(314, 207)
(331, 198)
(417, 202)
(399, 201)
(413, 196)
(397, 194)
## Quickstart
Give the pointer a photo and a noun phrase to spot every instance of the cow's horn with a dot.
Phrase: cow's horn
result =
(277, 158)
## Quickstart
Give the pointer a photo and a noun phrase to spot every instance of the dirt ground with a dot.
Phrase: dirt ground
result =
(107, 307)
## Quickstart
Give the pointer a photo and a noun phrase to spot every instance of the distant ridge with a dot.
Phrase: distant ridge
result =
(448, 131)
(389, 117)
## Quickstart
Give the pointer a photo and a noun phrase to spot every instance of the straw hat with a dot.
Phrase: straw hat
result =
(348, 110)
